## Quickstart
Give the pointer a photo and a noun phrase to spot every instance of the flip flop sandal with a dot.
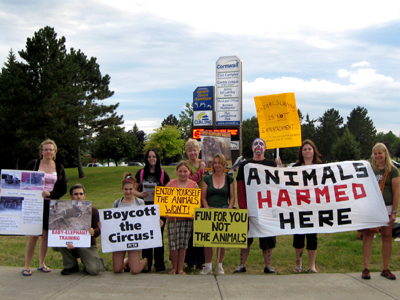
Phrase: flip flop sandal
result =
(298, 270)
(44, 269)
(26, 273)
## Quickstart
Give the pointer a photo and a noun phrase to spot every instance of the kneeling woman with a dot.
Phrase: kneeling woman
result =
(132, 261)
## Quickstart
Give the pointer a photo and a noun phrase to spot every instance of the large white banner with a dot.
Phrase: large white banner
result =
(324, 198)
(130, 228)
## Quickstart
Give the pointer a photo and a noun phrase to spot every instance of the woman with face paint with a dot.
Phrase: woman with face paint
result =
(308, 155)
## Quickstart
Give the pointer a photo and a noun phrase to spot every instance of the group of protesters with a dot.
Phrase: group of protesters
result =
(217, 191)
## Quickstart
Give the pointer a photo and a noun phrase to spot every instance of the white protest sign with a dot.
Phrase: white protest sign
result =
(324, 198)
(69, 223)
(130, 228)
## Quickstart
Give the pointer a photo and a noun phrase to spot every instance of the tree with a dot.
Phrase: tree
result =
(166, 140)
(328, 132)
(250, 131)
(363, 130)
(171, 120)
(346, 147)
(390, 140)
(308, 130)
(114, 143)
(62, 93)
(141, 137)
(186, 121)
(19, 144)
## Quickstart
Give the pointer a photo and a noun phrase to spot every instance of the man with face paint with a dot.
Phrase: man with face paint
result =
(266, 243)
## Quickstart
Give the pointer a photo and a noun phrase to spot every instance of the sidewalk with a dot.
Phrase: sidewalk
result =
(125, 286)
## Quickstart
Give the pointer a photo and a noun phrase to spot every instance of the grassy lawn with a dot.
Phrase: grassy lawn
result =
(337, 253)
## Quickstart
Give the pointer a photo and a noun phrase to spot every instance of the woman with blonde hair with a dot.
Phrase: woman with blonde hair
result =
(217, 191)
(194, 255)
(389, 181)
(55, 186)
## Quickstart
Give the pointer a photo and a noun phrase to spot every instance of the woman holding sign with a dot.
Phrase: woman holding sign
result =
(132, 262)
(55, 186)
(179, 229)
(147, 179)
(308, 155)
(389, 182)
(217, 191)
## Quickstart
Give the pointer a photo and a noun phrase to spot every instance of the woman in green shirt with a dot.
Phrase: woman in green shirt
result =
(217, 191)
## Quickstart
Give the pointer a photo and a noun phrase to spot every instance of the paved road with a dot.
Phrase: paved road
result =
(126, 286)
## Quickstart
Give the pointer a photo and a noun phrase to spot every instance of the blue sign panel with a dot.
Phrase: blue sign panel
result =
(203, 98)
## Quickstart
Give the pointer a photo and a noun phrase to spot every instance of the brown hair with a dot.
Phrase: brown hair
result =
(316, 159)
(222, 160)
(128, 178)
(183, 163)
(46, 142)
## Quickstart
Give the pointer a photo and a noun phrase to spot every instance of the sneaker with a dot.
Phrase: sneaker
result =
(388, 274)
(269, 270)
(69, 271)
(240, 269)
(205, 271)
(365, 274)
(221, 271)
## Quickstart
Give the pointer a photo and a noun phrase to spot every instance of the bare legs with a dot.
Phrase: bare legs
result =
(133, 260)
(244, 254)
(30, 250)
(267, 254)
(386, 234)
(177, 259)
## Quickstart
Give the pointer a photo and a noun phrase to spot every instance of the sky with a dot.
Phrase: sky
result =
(331, 54)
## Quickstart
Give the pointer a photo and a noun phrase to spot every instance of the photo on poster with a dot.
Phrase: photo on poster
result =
(213, 143)
(32, 180)
(70, 215)
(11, 205)
(10, 179)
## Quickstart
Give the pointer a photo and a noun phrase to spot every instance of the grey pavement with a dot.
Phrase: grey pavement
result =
(125, 286)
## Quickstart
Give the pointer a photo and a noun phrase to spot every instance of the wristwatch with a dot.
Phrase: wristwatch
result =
(395, 212)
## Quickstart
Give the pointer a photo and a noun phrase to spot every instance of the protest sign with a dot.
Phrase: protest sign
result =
(213, 143)
(278, 120)
(323, 198)
(177, 202)
(69, 223)
(220, 228)
(130, 228)
(21, 202)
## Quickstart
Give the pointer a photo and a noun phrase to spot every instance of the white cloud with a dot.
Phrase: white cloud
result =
(361, 64)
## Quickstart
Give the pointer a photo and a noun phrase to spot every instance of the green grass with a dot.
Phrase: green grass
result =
(337, 253)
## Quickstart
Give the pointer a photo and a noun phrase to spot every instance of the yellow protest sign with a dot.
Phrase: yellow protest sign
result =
(177, 202)
(278, 120)
(220, 228)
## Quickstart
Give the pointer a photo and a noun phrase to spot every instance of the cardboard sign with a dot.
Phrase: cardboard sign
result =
(21, 202)
(278, 120)
(177, 202)
(130, 228)
(69, 223)
(220, 228)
